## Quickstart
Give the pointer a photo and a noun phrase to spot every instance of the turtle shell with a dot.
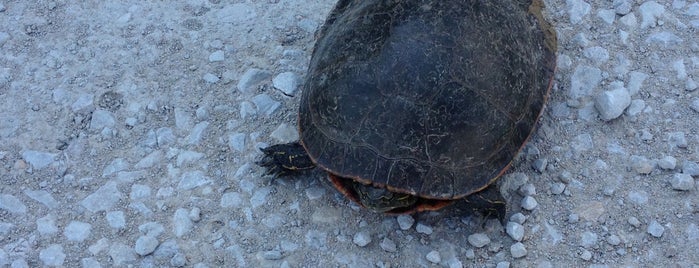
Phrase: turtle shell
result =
(428, 97)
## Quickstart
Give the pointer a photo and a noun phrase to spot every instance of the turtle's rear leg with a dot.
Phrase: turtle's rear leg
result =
(285, 159)
(489, 202)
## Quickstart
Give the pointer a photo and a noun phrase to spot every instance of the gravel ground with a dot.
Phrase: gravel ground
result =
(129, 131)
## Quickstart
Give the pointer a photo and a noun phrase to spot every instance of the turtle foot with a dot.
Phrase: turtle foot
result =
(489, 203)
(285, 159)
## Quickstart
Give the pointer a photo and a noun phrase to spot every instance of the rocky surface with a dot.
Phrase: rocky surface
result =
(130, 129)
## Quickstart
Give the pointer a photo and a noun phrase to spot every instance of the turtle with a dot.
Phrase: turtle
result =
(410, 105)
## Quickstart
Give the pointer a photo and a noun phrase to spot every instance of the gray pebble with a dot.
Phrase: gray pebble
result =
(636, 107)
(611, 104)
(650, 12)
(287, 82)
(285, 133)
(405, 221)
(197, 133)
(423, 229)
(179, 260)
(362, 238)
(565, 177)
(102, 119)
(677, 139)
(582, 142)
(146, 245)
(529, 203)
(192, 179)
(236, 141)
(597, 54)
(540, 165)
(259, 197)
(588, 239)
(12, 204)
(691, 85)
(247, 109)
(52, 255)
(634, 222)
(518, 218)
(667, 162)
(315, 192)
(614, 240)
(584, 80)
(638, 197)
(557, 188)
(46, 225)
(195, 214)
(83, 102)
(217, 55)
(586, 255)
(641, 164)
(573, 218)
(272, 255)
(210, 78)
(515, 231)
(663, 39)
(478, 240)
(690, 168)
(116, 219)
(181, 223)
(388, 245)
(622, 7)
(655, 229)
(607, 15)
(503, 264)
(682, 182)
(164, 136)
(265, 104)
(434, 257)
(251, 78)
(577, 9)
(38, 159)
(695, 105)
(316, 239)
(518, 250)
(527, 189)
(103, 199)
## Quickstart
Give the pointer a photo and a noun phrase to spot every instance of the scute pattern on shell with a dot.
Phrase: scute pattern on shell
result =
(432, 98)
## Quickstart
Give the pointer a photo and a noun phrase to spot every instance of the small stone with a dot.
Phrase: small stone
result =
(597, 54)
(577, 9)
(179, 260)
(614, 240)
(515, 231)
(611, 104)
(690, 85)
(146, 245)
(622, 7)
(46, 225)
(287, 83)
(210, 78)
(588, 239)
(52, 255)
(192, 179)
(423, 229)
(38, 159)
(405, 221)
(667, 162)
(518, 218)
(583, 81)
(529, 203)
(540, 165)
(478, 240)
(362, 238)
(586, 255)
(573, 218)
(251, 78)
(607, 15)
(217, 55)
(682, 182)
(636, 107)
(634, 222)
(518, 250)
(285, 133)
(265, 104)
(638, 197)
(103, 199)
(102, 119)
(195, 214)
(655, 229)
(650, 12)
(582, 142)
(690, 168)
(677, 139)
(641, 164)
(557, 188)
(181, 222)
(527, 189)
(116, 219)
(434, 257)
(503, 264)
(388, 245)
(272, 255)
(236, 141)
(695, 105)
(12, 204)
(635, 82)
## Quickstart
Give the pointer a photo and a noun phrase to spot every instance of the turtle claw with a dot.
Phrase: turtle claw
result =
(489, 203)
(285, 159)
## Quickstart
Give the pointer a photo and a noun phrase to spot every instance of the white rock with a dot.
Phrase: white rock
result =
(433, 257)
(192, 179)
(611, 104)
(529, 203)
(52, 255)
(405, 221)
(265, 104)
(655, 229)
(251, 78)
(583, 81)
(285, 133)
(77, 231)
(181, 222)
(597, 54)
(116, 219)
(217, 55)
(146, 245)
(38, 159)
(12, 204)
(102, 119)
(682, 182)
(103, 199)
(650, 12)
(46, 225)
(362, 238)
(518, 250)
(287, 82)
(210, 78)
(478, 240)
(515, 231)
(667, 162)
(577, 9)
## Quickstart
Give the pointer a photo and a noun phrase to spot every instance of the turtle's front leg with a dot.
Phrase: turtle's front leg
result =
(285, 159)
(489, 203)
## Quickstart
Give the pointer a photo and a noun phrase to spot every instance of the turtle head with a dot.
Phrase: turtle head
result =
(381, 199)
